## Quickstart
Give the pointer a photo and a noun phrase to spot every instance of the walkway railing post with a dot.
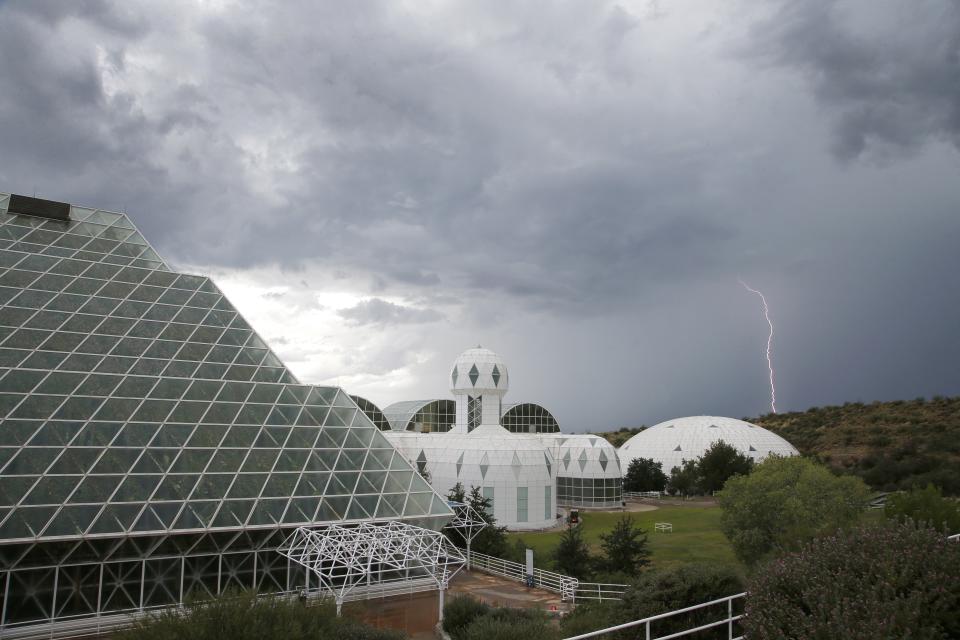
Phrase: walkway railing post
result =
(730, 618)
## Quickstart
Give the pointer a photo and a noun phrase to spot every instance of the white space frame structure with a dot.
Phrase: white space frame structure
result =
(345, 557)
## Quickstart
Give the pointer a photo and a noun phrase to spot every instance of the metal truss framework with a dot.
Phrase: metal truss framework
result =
(345, 557)
(466, 522)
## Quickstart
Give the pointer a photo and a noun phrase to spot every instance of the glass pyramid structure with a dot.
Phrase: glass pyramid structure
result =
(152, 446)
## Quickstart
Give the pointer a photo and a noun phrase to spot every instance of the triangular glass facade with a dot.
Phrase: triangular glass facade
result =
(141, 414)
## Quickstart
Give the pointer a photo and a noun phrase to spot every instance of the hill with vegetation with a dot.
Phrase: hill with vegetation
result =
(891, 445)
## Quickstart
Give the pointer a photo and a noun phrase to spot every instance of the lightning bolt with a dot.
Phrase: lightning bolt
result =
(766, 314)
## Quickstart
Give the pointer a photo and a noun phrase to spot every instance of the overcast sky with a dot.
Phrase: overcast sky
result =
(578, 186)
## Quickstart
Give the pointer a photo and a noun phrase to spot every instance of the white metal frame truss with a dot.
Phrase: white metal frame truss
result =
(466, 522)
(345, 557)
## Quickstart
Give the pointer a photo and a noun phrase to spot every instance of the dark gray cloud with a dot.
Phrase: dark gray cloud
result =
(578, 186)
(383, 312)
(888, 71)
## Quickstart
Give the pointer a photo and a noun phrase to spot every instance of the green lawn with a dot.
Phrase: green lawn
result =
(696, 536)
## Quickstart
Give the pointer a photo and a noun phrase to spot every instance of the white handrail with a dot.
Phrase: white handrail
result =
(567, 586)
(729, 620)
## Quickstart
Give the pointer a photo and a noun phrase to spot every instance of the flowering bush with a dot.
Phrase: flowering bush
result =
(883, 581)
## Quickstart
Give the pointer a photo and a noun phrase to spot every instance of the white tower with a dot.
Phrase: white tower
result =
(478, 380)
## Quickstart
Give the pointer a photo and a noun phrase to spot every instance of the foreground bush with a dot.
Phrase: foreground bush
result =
(658, 591)
(501, 623)
(893, 580)
(243, 616)
(460, 613)
(783, 503)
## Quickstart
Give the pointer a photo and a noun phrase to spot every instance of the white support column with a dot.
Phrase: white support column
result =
(6, 598)
(56, 585)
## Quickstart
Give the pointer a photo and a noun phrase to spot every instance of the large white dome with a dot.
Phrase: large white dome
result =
(673, 441)
(479, 370)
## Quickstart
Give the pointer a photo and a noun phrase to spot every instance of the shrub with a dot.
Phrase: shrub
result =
(889, 581)
(591, 616)
(511, 624)
(244, 616)
(460, 612)
(785, 502)
(925, 505)
(662, 590)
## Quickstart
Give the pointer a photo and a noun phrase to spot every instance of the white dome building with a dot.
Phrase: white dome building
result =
(516, 471)
(478, 380)
(588, 471)
(673, 441)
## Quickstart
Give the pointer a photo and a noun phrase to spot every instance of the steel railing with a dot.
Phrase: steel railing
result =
(568, 587)
(728, 620)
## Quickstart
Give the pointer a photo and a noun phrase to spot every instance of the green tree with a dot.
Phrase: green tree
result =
(785, 502)
(893, 580)
(457, 493)
(625, 548)
(644, 474)
(925, 505)
(492, 540)
(572, 556)
(685, 479)
(720, 462)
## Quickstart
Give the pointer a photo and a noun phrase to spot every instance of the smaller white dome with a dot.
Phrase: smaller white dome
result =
(479, 370)
(673, 441)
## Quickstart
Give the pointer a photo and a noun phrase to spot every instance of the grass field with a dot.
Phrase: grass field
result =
(696, 536)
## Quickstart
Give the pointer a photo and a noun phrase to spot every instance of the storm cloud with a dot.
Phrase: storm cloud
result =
(380, 185)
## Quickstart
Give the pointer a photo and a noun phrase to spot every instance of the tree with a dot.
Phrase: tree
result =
(685, 479)
(624, 548)
(492, 540)
(720, 462)
(784, 503)
(457, 493)
(925, 505)
(572, 556)
(894, 580)
(644, 474)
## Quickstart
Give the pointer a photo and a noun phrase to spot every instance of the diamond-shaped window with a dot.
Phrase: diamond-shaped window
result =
(496, 376)
(678, 448)
(566, 460)
(474, 375)
(454, 376)
(603, 460)
(582, 460)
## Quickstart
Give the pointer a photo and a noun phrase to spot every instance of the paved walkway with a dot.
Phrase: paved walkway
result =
(416, 614)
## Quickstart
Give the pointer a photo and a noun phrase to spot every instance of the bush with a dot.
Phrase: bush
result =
(511, 624)
(460, 613)
(662, 590)
(591, 616)
(889, 581)
(927, 506)
(783, 503)
(244, 616)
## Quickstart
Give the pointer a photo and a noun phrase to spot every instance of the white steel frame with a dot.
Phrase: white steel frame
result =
(344, 557)
(466, 522)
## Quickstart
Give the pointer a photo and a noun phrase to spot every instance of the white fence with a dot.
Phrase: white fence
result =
(729, 619)
(643, 494)
(568, 587)
(955, 537)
